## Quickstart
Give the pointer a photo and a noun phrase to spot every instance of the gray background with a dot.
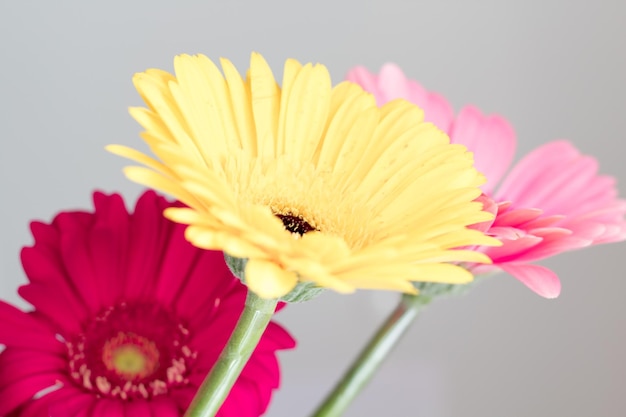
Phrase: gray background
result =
(556, 69)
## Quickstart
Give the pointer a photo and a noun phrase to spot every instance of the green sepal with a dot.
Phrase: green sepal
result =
(429, 291)
(303, 291)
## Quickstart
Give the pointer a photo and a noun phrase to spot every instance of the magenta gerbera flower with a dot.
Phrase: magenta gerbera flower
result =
(552, 201)
(128, 320)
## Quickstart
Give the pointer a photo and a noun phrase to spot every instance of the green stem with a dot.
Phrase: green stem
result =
(255, 317)
(372, 356)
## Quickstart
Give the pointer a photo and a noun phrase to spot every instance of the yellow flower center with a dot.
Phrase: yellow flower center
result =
(295, 224)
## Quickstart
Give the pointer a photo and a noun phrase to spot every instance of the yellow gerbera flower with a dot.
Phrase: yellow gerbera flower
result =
(309, 183)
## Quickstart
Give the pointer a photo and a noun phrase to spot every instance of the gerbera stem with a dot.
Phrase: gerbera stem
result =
(255, 317)
(372, 356)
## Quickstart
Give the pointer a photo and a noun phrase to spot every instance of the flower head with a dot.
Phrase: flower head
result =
(309, 183)
(552, 201)
(128, 319)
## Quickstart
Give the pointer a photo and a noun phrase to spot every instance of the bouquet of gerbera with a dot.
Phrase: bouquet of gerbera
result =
(282, 191)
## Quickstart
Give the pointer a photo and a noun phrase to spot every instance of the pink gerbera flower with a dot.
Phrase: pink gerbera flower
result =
(552, 201)
(128, 320)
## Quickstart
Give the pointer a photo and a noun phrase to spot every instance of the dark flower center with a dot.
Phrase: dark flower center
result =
(131, 351)
(295, 224)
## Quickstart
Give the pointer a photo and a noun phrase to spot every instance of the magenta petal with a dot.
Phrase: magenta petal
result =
(21, 391)
(109, 242)
(106, 271)
(44, 234)
(182, 397)
(148, 239)
(208, 284)
(93, 275)
(105, 407)
(35, 409)
(180, 262)
(79, 265)
(45, 270)
(137, 408)
(19, 364)
(74, 405)
(539, 279)
(275, 338)
(41, 407)
(165, 407)
(240, 403)
(266, 369)
(67, 316)
(19, 329)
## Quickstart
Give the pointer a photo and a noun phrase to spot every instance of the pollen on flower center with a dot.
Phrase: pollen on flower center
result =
(131, 350)
(131, 356)
(295, 224)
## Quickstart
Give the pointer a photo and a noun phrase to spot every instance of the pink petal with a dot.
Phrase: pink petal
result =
(436, 108)
(393, 83)
(555, 241)
(489, 206)
(511, 249)
(539, 279)
(490, 138)
(516, 217)
(545, 221)
(367, 80)
(506, 232)
(528, 175)
(565, 185)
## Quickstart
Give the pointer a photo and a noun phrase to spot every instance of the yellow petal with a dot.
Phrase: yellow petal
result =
(265, 104)
(268, 280)
(442, 273)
